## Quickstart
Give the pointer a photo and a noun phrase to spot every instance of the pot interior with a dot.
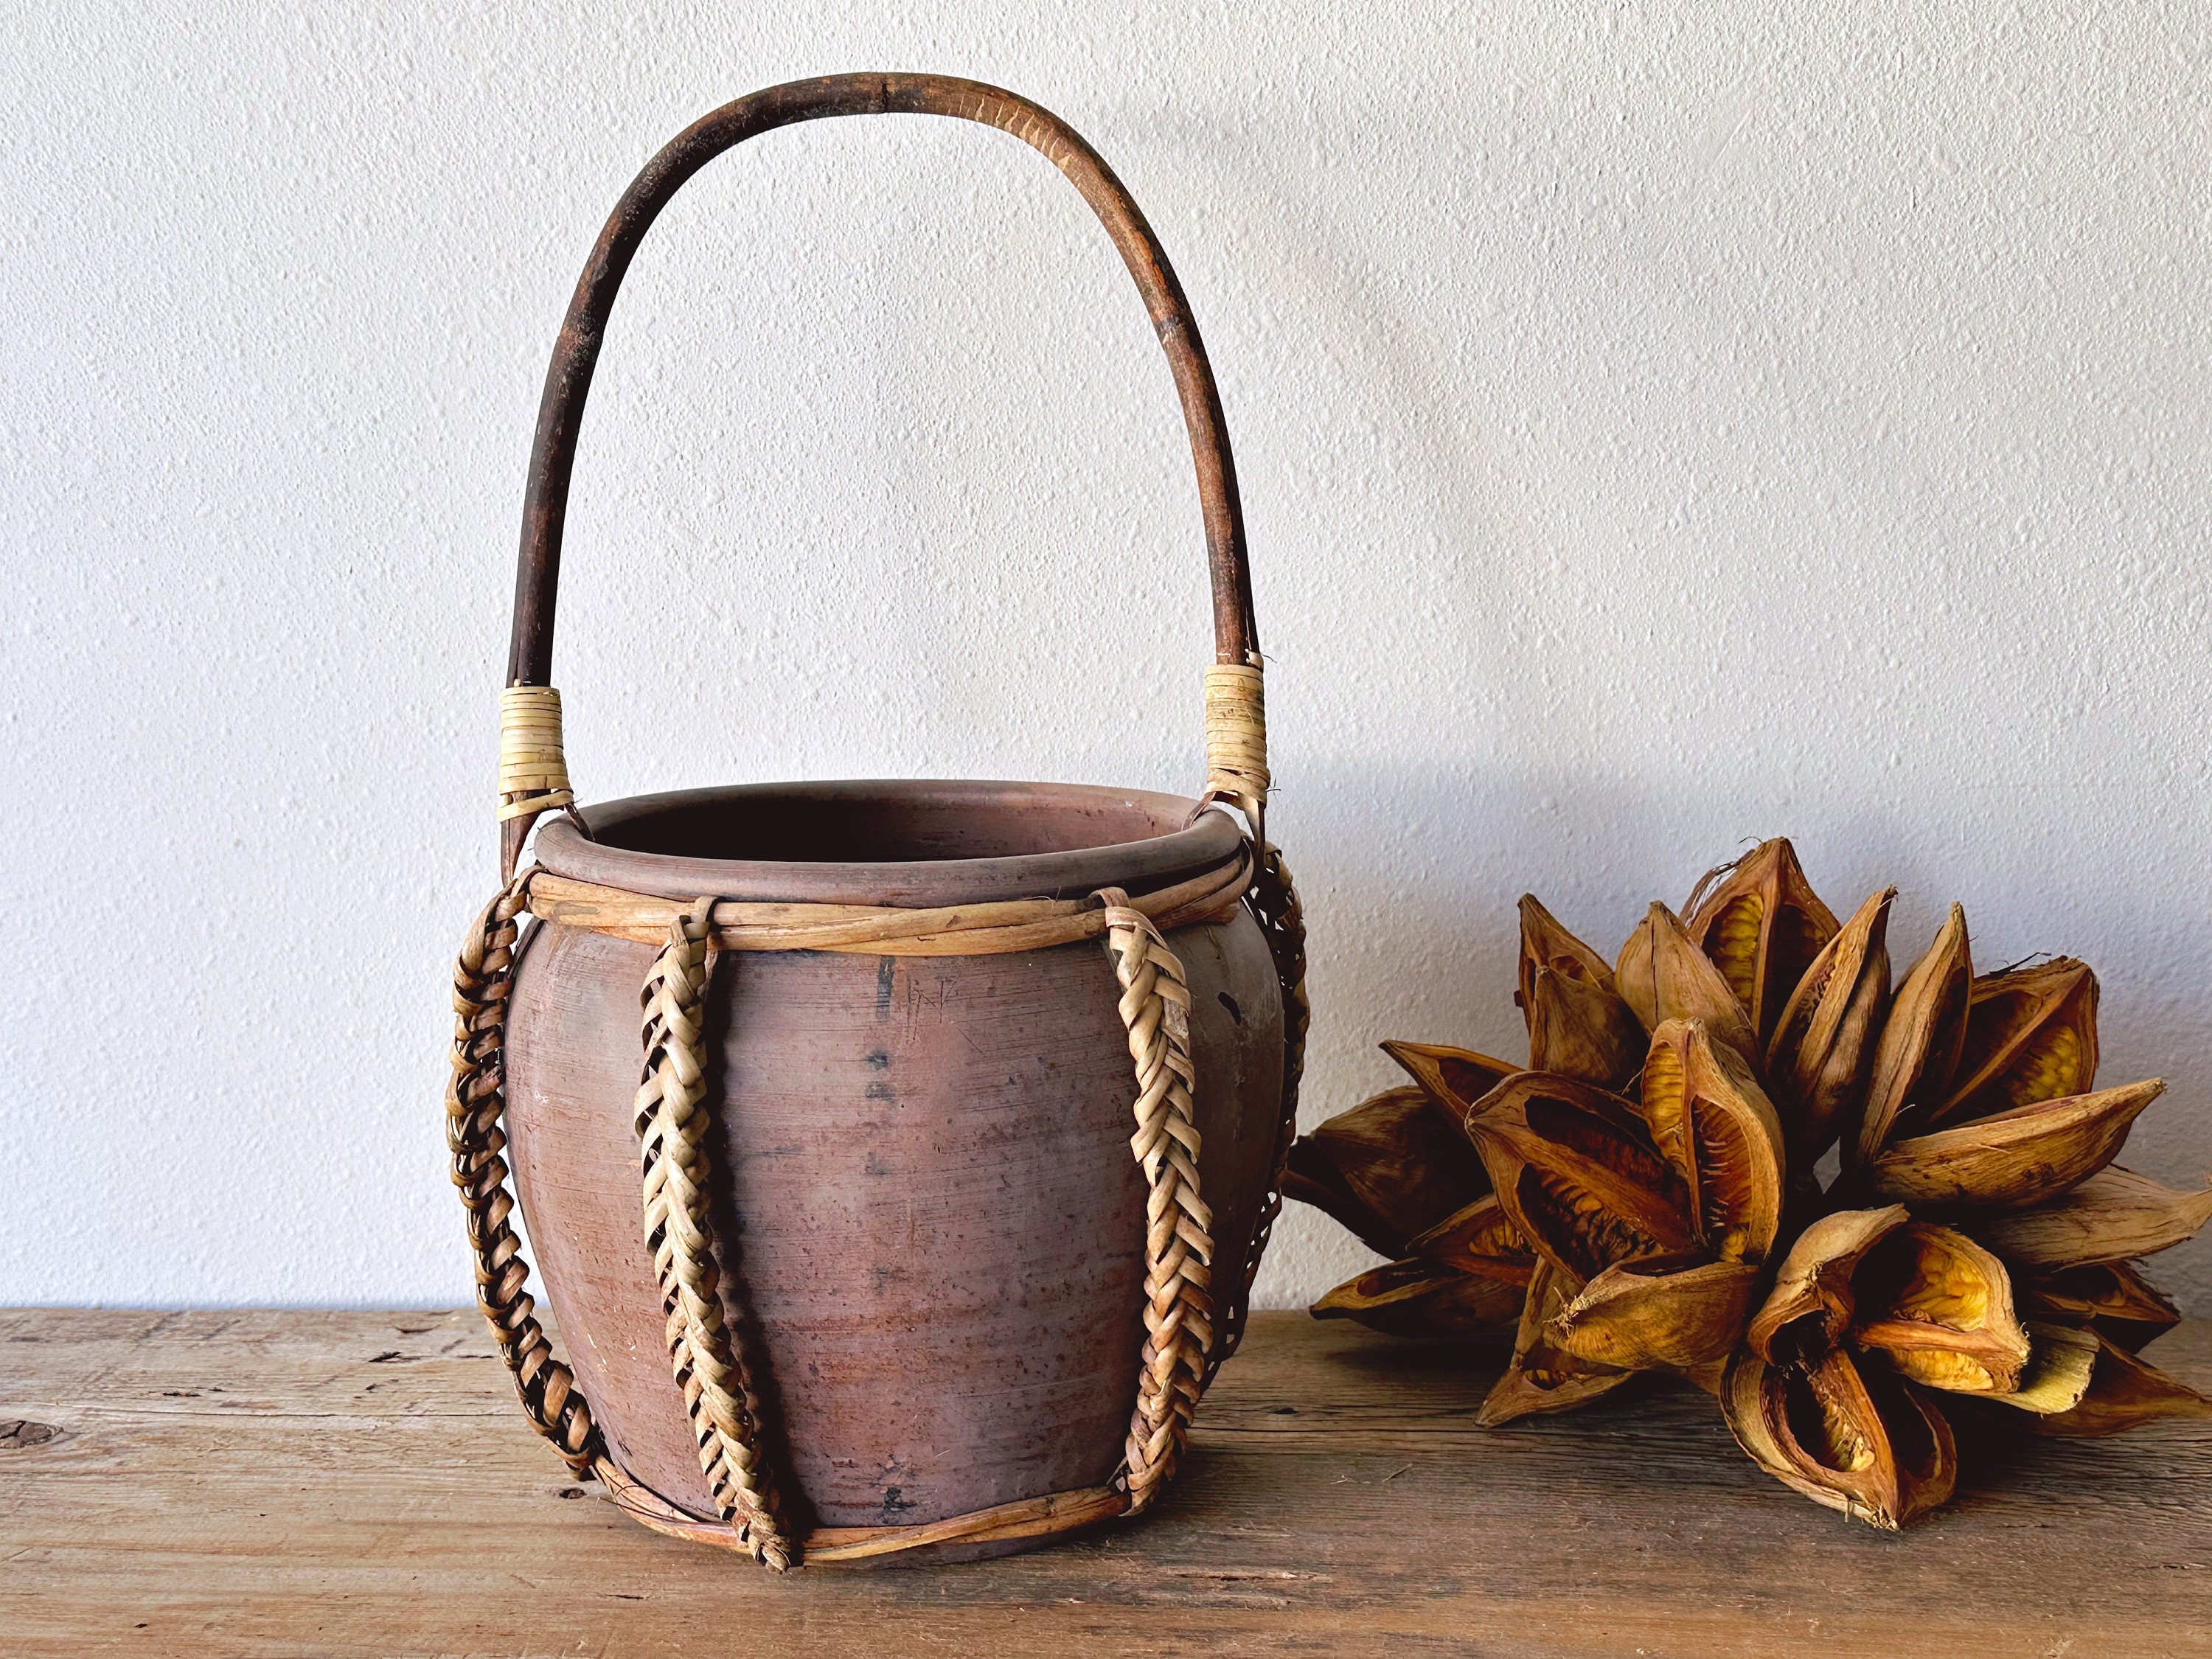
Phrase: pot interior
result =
(899, 842)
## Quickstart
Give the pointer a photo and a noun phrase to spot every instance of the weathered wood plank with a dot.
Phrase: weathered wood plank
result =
(349, 1483)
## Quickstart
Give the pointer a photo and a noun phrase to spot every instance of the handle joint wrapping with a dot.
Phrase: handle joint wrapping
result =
(1237, 739)
(533, 771)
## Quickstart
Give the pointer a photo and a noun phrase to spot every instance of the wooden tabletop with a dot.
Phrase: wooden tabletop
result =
(341, 1484)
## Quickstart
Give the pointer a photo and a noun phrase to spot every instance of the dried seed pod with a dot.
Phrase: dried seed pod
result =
(2014, 1157)
(1708, 1117)
(1330, 1198)
(1480, 1239)
(1940, 1307)
(1661, 1313)
(1546, 944)
(1578, 1026)
(1454, 1078)
(1662, 975)
(1859, 1441)
(1420, 1298)
(2031, 1035)
(2115, 1215)
(2125, 1393)
(1580, 1029)
(1824, 1041)
(1541, 1377)
(1917, 1055)
(1812, 1303)
(1390, 1167)
(2111, 1297)
(1577, 1175)
(1762, 926)
(2061, 1362)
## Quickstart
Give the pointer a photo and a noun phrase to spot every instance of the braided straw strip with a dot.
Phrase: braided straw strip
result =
(476, 1100)
(1155, 1005)
(672, 1121)
(1275, 906)
(533, 772)
(1236, 739)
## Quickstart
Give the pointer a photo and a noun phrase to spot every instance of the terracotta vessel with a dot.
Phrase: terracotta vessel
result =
(960, 1312)
(929, 1177)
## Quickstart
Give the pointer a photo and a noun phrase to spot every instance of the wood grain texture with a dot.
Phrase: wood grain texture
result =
(362, 1484)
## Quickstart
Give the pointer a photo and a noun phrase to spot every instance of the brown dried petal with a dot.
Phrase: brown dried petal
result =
(1454, 1078)
(1546, 944)
(1858, 1441)
(1578, 1026)
(2113, 1297)
(2031, 1035)
(2058, 1371)
(1762, 926)
(1479, 1239)
(1580, 1029)
(1662, 975)
(1660, 1313)
(2019, 1157)
(1918, 1054)
(1310, 1178)
(1577, 1173)
(2125, 1393)
(1940, 1307)
(1421, 1299)
(1712, 1122)
(1823, 1044)
(1812, 1302)
(1393, 1166)
(1542, 1378)
(2115, 1215)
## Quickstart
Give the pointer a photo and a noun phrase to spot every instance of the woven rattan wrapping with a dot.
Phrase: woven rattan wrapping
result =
(709, 1356)
(1236, 738)
(533, 771)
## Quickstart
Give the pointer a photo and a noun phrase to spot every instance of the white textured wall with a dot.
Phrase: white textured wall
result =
(1656, 430)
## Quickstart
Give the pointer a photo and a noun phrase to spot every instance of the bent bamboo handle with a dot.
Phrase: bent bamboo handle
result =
(568, 378)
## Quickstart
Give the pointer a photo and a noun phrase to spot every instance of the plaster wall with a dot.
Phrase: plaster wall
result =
(1659, 427)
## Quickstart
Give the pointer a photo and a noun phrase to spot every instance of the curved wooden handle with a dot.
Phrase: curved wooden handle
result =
(568, 379)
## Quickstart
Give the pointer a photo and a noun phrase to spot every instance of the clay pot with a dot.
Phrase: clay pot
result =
(930, 1220)
(924, 1161)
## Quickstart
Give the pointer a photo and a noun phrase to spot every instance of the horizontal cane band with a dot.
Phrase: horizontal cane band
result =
(999, 928)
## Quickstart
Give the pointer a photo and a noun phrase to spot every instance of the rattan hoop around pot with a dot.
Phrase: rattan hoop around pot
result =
(881, 1142)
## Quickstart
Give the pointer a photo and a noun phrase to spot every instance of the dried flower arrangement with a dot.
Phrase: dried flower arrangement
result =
(1642, 1195)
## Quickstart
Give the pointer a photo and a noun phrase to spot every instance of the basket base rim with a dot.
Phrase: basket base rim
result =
(1001, 1529)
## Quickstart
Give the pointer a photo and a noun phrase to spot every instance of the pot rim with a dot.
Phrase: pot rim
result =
(1182, 848)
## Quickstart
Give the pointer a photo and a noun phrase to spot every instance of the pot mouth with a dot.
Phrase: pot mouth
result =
(908, 842)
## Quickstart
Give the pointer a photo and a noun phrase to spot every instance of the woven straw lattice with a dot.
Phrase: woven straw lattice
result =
(672, 1121)
(1274, 902)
